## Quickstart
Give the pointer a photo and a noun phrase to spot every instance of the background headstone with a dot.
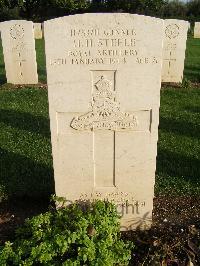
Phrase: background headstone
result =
(19, 52)
(175, 37)
(38, 30)
(197, 30)
(104, 76)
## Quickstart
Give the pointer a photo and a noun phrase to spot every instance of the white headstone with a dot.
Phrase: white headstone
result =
(104, 76)
(197, 30)
(19, 52)
(38, 30)
(175, 38)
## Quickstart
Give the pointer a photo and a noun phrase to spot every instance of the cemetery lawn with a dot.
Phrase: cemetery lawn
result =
(178, 160)
(192, 61)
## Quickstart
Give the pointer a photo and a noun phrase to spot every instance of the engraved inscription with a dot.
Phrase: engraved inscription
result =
(96, 32)
(106, 113)
(116, 196)
(17, 31)
(21, 46)
(96, 61)
(105, 42)
(94, 46)
(170, 46)
(172, 31)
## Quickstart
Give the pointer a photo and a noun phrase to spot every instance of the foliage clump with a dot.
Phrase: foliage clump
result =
(40, 10)
(75, 235)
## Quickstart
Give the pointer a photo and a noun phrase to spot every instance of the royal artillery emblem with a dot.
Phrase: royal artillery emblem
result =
(106, 113)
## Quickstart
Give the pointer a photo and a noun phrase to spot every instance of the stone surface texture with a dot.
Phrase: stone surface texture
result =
(38, 34)
(19, 52)
(175, 37)
(197, 30)
(104, 77)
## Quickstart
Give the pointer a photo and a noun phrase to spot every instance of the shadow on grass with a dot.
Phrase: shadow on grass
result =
(193, 68)
(42, 73)
(25, 121)
(20, 176)
(182, 128)
(42, 76)
(3, 79)
(173, 163)
(192, 73)
(193, 109)
(178, 165)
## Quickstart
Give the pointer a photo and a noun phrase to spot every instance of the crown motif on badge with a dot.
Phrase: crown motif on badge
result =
(103, 86)
(106, 113)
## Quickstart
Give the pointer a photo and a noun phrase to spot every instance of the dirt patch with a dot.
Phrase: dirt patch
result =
(181, 211)
(13, 214)
(174, 238)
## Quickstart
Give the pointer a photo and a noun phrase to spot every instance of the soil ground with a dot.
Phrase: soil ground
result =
(175, 233)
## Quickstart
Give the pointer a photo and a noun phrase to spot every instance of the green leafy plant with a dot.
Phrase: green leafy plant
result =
(80, 234)
(186, 84)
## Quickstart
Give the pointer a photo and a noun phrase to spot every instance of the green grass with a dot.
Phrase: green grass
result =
(25, 146)
(192, 60)
(178, 161)
(41, 61)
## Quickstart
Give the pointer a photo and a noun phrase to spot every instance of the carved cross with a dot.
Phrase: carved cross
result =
(104, 120)
(169, 61)
(21, 61)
